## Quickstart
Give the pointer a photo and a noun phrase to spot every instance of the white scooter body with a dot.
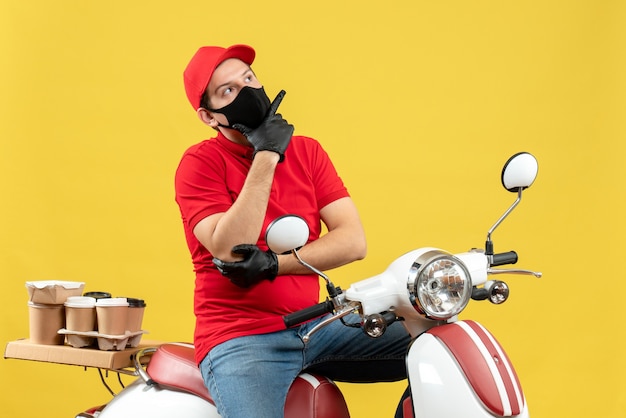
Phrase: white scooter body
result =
(456, 359)
(140, 400)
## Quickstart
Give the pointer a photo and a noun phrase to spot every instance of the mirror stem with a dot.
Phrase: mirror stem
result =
(489, 243)
(333, 291)
(310, 267)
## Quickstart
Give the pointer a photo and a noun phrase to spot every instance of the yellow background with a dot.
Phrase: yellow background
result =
(419, 103)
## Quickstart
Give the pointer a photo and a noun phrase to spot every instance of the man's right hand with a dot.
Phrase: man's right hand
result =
(274, 133)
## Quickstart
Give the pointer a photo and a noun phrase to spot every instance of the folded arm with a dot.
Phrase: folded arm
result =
(242, 223)
(342, 244)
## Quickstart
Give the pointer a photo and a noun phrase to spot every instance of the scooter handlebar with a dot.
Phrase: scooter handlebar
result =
(306, 314)
(502, 259)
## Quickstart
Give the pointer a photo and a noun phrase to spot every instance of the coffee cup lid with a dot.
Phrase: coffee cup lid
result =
(80, 302)
(136, 303)
(97, 295)
(112, 302)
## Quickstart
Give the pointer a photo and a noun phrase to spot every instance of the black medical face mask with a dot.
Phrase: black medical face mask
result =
(249, 108)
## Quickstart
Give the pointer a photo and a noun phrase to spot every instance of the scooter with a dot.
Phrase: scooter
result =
(454, 367)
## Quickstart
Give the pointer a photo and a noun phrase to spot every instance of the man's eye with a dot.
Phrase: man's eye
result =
(227, 91)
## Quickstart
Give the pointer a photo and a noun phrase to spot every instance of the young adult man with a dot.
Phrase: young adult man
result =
(229, 188)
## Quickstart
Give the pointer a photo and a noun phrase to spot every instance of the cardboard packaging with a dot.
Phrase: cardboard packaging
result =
(65, 354)
(53, 292)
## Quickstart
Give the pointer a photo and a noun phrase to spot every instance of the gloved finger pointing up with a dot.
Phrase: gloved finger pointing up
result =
(276, 102)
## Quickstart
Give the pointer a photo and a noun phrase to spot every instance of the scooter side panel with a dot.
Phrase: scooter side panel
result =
(140, 400)
(441, 387)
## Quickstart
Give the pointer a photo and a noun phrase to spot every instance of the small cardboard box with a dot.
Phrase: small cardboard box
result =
(53, 292)
(65, 354)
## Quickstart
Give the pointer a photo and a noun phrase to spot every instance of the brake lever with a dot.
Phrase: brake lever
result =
(346, 310)
(514, 271)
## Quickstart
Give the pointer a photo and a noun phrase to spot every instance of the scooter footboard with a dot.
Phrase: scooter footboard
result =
(459, 369)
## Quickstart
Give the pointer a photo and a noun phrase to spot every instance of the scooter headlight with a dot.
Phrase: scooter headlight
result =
(439, 285)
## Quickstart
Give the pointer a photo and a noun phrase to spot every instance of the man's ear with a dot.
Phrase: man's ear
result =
(207, 117)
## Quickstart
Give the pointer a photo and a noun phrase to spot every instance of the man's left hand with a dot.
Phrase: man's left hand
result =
(256, 265)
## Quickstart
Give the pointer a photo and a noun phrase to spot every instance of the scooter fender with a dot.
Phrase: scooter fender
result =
(141, 400)
(459, 369)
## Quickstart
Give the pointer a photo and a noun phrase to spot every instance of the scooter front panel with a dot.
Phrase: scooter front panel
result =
(438, 387)
(485, 366)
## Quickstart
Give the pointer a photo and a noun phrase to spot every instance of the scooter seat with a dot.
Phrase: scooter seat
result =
(174, 366)
(310, 395)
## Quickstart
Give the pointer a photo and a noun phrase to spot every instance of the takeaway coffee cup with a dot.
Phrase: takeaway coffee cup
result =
(97, 295)
(44, 323)
(136, 308)
(80, 313)
(112, 314)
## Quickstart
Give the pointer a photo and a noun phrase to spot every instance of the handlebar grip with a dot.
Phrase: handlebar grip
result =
(305, 314)
(504, 258)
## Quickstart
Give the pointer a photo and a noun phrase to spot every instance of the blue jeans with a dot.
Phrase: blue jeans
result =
(249, 376)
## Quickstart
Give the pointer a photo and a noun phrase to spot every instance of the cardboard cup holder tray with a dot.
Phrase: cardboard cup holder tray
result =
(78, 339)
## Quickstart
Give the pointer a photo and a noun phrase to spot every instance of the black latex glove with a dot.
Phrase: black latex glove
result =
(274, 133)
(256, 265)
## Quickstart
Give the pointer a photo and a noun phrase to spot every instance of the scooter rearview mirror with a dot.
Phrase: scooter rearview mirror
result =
(286, 233)
(519, 172)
